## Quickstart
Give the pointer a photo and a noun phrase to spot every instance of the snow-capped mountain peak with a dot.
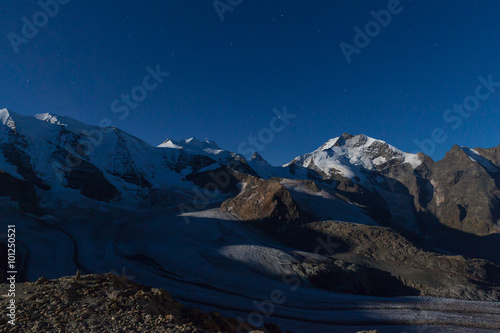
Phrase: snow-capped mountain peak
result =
(194, 146)
(4, 115)
(6, 119)
(191, 143)
(349, 154)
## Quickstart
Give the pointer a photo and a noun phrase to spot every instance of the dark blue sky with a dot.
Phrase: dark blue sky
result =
(226, 77)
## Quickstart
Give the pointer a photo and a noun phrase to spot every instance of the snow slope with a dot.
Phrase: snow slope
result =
(54, 142)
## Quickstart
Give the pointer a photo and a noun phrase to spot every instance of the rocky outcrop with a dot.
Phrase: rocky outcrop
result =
(348, 278)
(429, 273)
(108, 303)
(265, 203)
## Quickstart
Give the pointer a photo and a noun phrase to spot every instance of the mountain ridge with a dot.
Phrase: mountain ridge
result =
(397, 188)
(64, 120)
(219, 230)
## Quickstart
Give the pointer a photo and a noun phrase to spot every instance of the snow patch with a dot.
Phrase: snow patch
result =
(50, 118)
(475, 156)
(6, 119)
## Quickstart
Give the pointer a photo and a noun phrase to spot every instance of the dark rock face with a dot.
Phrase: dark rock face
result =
(492, 154)
(91, 182)
(457, 192)
(20, 191)
(16, 156)
(466, 196)
(463, 194)
(371, 201)
(129, 171)
(187, 160)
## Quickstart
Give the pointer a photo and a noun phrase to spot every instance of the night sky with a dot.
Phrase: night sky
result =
(226, 77)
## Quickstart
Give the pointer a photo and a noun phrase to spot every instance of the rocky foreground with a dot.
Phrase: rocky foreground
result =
(108, 303)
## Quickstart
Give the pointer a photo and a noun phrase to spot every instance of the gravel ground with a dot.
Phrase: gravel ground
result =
(106, 303)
